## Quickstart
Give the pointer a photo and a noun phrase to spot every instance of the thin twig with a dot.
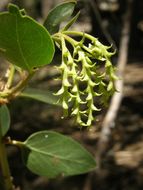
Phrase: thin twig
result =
(109, 120)
(107, 35)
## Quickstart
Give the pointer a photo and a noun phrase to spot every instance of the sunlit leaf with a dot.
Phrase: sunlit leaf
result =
(23, 41)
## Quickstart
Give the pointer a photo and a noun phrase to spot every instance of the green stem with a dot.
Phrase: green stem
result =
(73, 42)
(57, 37)
(76, 33)
(5, 166)
(22, 84)
(10, 78)
(10, 93)
(15, 143)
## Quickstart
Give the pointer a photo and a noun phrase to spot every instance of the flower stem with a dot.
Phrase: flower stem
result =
(77, 33)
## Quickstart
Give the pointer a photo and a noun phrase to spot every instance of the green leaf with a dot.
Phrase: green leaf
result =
(50, 154)
(23, 41)
(4, 119)
(58, 14)
(41, 95)
(71, 22)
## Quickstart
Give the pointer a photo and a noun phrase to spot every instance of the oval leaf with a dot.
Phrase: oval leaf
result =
(57, 15)
(23, 41)
(51, 154)
(41, 95)
(4, 119)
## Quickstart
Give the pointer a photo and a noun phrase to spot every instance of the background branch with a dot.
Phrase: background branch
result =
(3, 4)
(103, 28)
(109, 120)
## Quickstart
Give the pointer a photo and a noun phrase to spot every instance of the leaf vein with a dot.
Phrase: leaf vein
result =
(19, 45)
(52, 155)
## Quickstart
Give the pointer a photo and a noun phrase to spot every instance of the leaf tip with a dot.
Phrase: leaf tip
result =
(14, 9)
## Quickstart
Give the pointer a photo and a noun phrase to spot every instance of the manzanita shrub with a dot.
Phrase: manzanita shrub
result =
(87, 81)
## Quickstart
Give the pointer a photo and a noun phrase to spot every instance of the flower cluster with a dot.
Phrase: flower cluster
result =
(87, 76)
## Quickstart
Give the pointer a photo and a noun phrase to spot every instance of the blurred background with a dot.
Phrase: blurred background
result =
(116, 142)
